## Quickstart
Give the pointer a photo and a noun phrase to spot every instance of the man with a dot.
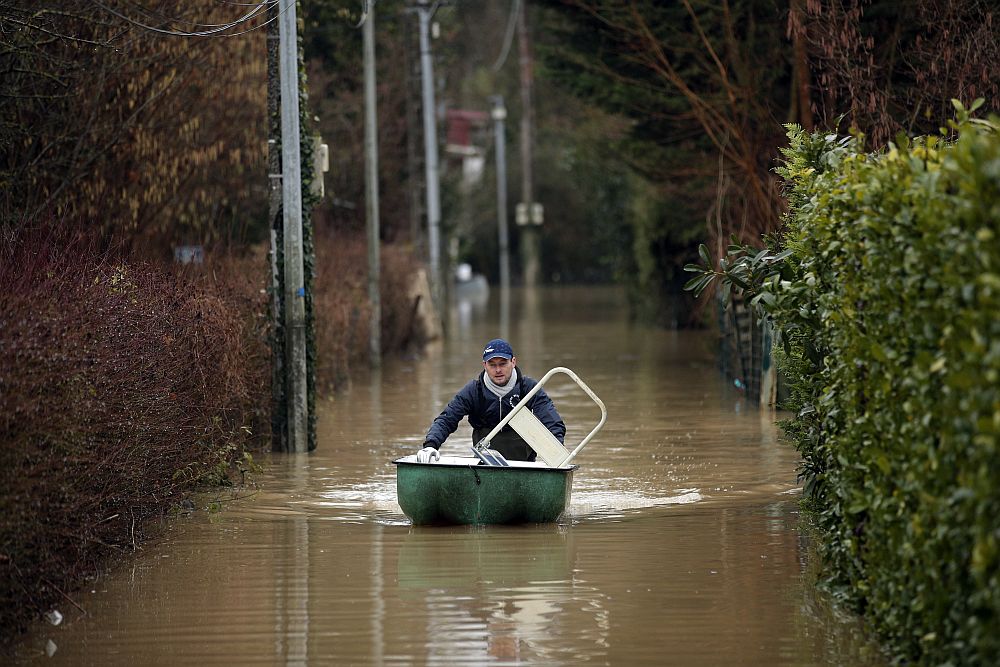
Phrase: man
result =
(486, 400)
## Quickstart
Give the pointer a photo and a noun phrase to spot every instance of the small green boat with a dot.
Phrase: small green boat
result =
(459, 490)
(462, 490)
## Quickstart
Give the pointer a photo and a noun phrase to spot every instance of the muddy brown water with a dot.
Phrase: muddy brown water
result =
(682, 545)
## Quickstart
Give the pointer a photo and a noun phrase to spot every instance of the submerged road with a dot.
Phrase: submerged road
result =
(682, 545)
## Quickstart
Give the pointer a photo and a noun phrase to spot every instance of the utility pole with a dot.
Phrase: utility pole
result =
(529, 213)
(291, 190)
(371, 192)
(499, 114)
(414, 162)
(426, 11)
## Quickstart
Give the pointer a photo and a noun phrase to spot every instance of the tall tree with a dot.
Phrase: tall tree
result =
(703, 88)
(705, 85)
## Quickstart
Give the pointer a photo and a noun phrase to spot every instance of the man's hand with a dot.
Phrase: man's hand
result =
(427, 455)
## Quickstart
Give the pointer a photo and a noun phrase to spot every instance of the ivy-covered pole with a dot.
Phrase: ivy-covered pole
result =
(293, 422)
(278, 432)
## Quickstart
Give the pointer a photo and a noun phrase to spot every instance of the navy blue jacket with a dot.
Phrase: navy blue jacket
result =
(485, 410)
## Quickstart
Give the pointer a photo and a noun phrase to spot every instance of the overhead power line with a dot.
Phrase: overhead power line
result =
(256, 10)
(508, 38)
(367, 6)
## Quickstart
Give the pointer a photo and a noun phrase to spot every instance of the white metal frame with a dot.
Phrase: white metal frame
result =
(538, 437)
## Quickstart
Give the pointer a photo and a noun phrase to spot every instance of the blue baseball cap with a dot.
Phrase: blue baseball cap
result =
(497, 347)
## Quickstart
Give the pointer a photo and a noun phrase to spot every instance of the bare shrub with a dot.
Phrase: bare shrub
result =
(121, 387)
(124, 385)
(343, 310)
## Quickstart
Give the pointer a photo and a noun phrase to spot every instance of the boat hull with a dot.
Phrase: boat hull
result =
(457, 491)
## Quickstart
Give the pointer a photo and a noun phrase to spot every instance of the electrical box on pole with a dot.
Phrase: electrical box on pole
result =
(321, 165)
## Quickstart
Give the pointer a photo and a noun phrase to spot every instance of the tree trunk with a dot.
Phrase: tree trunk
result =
(802, 94)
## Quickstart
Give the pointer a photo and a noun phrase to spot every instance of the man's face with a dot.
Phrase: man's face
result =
(499, 369)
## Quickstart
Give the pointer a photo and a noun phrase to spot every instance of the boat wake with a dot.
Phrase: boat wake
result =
(603, 504)
(375, 501)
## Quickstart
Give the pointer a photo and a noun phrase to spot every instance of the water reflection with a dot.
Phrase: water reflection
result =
(486, 596)
(462, 558)
(290, 573)
(470, 305)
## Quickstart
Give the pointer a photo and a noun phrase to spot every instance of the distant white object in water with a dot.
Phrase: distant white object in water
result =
(470, 286)
(189, 254)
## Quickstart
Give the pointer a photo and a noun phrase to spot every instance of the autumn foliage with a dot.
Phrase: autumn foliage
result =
(886, 67)
(126, 382)
(138, 137)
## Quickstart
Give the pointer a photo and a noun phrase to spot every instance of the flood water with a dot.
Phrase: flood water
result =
(682, 545)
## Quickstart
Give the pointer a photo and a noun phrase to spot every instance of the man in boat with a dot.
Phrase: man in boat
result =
(486, 400)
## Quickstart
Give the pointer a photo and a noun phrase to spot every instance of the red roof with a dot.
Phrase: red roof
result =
(460, 125)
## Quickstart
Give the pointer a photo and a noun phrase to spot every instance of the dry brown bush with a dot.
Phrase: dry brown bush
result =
(343, 311)
(142, 138)
(122, 386)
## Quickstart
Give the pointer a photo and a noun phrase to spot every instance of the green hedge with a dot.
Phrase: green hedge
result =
(902, 257)
(886, 296)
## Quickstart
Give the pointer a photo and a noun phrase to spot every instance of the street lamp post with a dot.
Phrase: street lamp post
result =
(425, 11)
(499, 115)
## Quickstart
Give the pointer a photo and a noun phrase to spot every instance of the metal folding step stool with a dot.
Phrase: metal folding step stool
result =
(533, 431)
